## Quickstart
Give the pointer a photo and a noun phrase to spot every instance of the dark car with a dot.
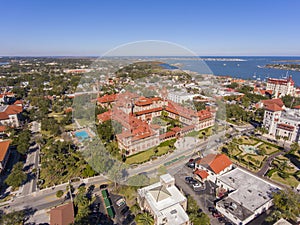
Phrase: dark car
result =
(187, 179)
(228, 223)
(124, 210)
(191, 160)
(212, 209)
(222, 219)
(103, 186)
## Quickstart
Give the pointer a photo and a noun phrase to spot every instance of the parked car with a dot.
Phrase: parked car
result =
(120, 202)
(191, 165)
(197, 185)
(212, 209)
(217, 214)
(188, 179)
(191, 160)
(222, 219)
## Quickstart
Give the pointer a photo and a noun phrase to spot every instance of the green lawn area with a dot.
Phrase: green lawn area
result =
(207, 131)
(255, 159)
(70, 126)
(232, 148)
(57, 116)
(269, 149)
(244, 140)
(290, 181)
(144, 156)
(193, 134)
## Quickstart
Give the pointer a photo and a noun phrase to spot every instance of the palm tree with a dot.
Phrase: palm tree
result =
(145, 219)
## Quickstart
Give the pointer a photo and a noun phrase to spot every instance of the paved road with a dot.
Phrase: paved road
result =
(32, 162)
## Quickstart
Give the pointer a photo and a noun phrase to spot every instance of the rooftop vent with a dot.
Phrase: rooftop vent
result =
(174, 211)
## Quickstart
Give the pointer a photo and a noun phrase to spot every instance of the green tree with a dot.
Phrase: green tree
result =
(59, 193)
(17, 176)
(13, 218)
(286, 204)
(145, 219)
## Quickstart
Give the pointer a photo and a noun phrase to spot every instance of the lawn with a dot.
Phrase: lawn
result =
(269, 149)
(193, 134)
(145, 156)
(255, 159)
(233, 149)
(57, 116)
(290, 181)
(244, 140)
(207, 131)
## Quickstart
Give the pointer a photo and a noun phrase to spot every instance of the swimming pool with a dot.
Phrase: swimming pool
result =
(82, 135)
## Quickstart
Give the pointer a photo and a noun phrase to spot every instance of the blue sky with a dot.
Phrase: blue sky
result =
(92, 27)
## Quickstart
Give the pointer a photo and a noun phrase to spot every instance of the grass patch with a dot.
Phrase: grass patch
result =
(205, 132)
(146, 155)
(129, 192)
(268, 148)
(290, 181)
(256, 160)
(193, 134)
(244, 140)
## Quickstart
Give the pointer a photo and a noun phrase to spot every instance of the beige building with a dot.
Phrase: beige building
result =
(164, 201)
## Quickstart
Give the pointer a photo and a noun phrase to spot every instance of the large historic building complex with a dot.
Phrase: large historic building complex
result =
(281, 121)
(281, 87)
(136, 115)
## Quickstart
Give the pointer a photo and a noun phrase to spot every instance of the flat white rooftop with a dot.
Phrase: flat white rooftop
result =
(250, 191)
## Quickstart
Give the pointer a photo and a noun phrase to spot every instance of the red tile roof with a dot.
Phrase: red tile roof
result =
(285, 127)
(276, 101)
(107, 98)
(273, 107)
(297, 107)
(4, 145)
(216, 162)
(201, 173)
(13, 109)
(104, 116)
(3, 116)
(148, 111)
(281, 81)
(204, 114)
(62, 215)
(3, 128)
(142, 101)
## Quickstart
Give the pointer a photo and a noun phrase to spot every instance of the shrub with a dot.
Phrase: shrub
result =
(59, 193)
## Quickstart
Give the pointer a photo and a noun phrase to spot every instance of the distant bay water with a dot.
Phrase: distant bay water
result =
(240, 67)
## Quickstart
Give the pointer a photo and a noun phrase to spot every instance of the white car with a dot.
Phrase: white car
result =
(197, 185)
(120, 202)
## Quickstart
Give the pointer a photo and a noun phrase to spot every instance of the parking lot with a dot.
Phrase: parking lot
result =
(204, 195)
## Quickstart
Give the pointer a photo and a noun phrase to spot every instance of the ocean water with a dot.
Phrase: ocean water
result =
(244, 68)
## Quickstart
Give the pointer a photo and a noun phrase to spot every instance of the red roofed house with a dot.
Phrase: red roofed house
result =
(211, 166)
(4, 153)
(9, 115)
(62, 215)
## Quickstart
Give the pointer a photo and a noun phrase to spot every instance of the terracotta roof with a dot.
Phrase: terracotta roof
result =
(281, 81)
(276, 101)
(62, 215)
(273, 107)
(3, 116)
(204, 114)
(285, 127)
(18, 102)
(297, 107)
(104, 116)
(201, 173)
(167, 135)
(4, 145)
(142, 101)
(216, 162)
(148, 111)
(13, 109)
(107, 98)
(3, 128)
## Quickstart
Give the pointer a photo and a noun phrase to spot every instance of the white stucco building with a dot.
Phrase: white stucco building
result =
(248, 196)
(164, 201)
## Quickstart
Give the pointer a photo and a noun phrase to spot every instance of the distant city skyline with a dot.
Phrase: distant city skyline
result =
(208, 28)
